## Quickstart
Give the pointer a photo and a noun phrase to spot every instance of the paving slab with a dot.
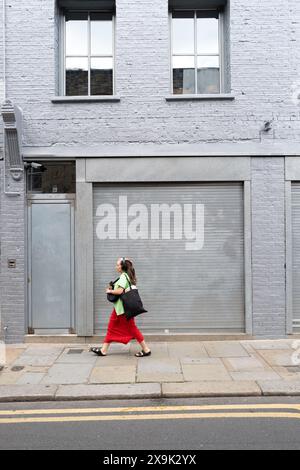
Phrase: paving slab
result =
(277, 357)
(12, 354)
(150, 369)
(289, 373)
(225, 349)
(116, 348)
(35, 360)
(116, 360)
(74, 356)
(27, 392)
(31, 378)
(255, 375)
(68, 374)
(115, 374)
(186, 350)
(268, 344)
(205, 372)
(243, 364)
(7, 377)
(35, 355)
(36, 369)
(280, 387)
(201, 360)
(159, 377)
(112, 391)
(157, 349)
(44, 349)
(151, 364)
(210, 389)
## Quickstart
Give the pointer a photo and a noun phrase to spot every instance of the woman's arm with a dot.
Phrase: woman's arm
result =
(118, 291)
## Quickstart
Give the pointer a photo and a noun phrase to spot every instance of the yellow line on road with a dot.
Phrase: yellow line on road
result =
(162, 417)
(135, 409)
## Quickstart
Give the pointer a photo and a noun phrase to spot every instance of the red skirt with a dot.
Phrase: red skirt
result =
(121, 330)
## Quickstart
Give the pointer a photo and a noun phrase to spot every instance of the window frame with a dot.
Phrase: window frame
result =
(62, 58)
(221, 54)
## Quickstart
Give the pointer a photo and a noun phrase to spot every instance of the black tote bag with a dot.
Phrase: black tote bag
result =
(132, 302)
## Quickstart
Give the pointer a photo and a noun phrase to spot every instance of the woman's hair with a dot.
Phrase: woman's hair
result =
(129, 269)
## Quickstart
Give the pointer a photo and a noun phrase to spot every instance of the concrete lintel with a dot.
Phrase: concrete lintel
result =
(160, 169)
(135, 149)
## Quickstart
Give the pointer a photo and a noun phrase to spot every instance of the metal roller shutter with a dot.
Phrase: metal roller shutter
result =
(296, 253)
(183, 290)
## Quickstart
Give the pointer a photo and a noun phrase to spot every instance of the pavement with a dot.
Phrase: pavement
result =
(247, 368)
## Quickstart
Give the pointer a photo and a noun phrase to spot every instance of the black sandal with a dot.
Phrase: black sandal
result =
(143, 354)
(97, 351)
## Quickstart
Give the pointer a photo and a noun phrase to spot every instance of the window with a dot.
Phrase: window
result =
(88, 53)
(196, 61)
(51, 177)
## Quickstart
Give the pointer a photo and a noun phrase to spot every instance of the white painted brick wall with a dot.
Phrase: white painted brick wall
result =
(264, 68)
(265, 79)
(1, 78)
(12, 245)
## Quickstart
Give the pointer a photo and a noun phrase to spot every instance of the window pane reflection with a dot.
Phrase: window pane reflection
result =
(101, 36)
(183, 75)
(76, 76)
(208, 75)
(183, 35)
(207, 36)
(101, 76)
(76, 34)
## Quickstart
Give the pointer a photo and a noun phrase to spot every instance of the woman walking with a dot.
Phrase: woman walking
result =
(121, 330)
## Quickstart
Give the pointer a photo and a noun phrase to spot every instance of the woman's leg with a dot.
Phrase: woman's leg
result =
(144, 346)
(105, 347)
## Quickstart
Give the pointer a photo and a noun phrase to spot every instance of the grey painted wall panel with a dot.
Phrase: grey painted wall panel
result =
(292, 168)
(166, 169)
(268, 246)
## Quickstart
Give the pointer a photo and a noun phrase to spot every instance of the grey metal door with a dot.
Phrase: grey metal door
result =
(50, 263)
(296, 254)
(184, 290)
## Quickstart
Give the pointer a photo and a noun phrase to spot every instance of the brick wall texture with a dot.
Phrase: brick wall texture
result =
(263, 50)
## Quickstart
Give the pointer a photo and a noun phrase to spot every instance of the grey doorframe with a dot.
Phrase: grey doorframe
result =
(141, 169)
(292, 173)
(247, 257)
(288, 257)
(55, 199)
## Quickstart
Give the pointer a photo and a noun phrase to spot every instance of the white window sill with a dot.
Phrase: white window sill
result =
(82, 99)
(212, 96)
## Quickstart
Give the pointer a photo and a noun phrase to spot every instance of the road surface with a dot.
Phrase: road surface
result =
(262, 423)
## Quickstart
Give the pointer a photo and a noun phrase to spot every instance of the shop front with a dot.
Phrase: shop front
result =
(185, 222)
